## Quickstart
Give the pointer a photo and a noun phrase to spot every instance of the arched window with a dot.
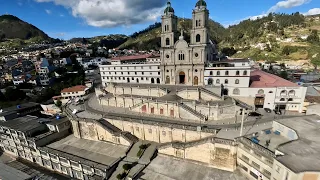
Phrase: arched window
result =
(211, 73)
(226, 81)
(168, 80)
(237, 81)
(152, 110)
(236, 91)
(167, 42)
(245, 73)
(172, 112)
(283, 93)
(158, 80)
(261, 91)
(198, 37)
(152, 80)
(196, 23)
(218, 73)
(227, 73)
(218, 81)
(292, 93)
(290, 99)
(210, 81)
(144, 108)
(165, 28)
(199, 22)
(238, 73)
(282, 99)
(181, 55)
(161, 110)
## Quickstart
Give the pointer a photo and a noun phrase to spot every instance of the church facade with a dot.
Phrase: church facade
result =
(183, 62)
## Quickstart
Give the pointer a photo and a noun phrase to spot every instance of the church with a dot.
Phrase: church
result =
(184, 62)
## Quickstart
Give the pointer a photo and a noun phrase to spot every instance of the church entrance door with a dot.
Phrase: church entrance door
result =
(196, 81)
(182, 77)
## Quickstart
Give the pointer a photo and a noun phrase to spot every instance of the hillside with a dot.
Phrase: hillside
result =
(12, 27)
(109, 41)
(274, 37)
(150, 38)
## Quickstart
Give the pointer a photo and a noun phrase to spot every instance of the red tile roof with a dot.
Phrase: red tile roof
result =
(136, 57)
(261, 79)
(74, 89)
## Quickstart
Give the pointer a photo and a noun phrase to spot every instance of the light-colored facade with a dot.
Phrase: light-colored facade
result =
(183, 62)
(72, 93)
(143, 69)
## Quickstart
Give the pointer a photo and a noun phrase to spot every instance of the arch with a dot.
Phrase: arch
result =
(261, 91)
(158, 80)
(172, 112)
(292, 93)
(181, 55)
(128, 80)
(218, 73)
(283, 93)
(198, 38)
(161, 110)
(168, 80)
(182, 77)
(226, 81)
(152, 80)
(195, 80)
(245, 73)
(238, 73)
(144, 108)
(237, 81)
(137, 80)
(211, 73)
(236, 91)
(210, 81)
(226, 92)
(282, 99)
(152, 110)
(167, 41)
(226, 73)
(218, 81)
(290, 99)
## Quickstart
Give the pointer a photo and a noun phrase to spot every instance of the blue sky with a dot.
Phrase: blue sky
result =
(66, 19)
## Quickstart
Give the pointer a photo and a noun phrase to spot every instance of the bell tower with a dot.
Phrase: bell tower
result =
(200, 20)
(169, 27)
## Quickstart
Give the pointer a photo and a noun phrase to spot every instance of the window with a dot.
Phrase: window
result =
(181, 56)
(196, 70)
(290, 99)
(121, 73)
(210, 81)
(292, 93)
(161, 110)
(238, 73)
(236, 91)
(198, 38)
(226, 81)
(163, 133)
(218, 73)
(171, 112)
(196, 54)
(135, 73)
(237, 81)
(167, 42)
(142, 67)
(245, 73)
(218, 81)
(150, 131)
(282, 99)
(211, 73)
(227, 73)
(283, 93)
(261, 91)
(152, 110)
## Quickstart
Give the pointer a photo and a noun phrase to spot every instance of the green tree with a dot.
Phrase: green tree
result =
(12, 94)
(284, 74)
(127, 167)
(315, 61)
(59, 103)
(313, 37)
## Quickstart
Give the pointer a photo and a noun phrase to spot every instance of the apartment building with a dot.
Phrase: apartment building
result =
(72, 93)
(144, 69)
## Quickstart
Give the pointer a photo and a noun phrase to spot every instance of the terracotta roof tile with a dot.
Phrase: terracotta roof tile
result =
(261, 79)
(74, 89)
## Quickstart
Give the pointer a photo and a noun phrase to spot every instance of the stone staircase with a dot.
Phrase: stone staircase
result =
(210, 92)
(192, 111)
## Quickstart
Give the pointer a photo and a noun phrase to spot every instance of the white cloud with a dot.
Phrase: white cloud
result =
(48, 11)
(313, 11)
(111, 13)
(287, 4)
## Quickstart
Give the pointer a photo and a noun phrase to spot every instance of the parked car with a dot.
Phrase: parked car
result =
(254, 114)
(268, 110)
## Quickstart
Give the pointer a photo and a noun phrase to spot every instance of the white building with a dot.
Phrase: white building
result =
(229, 73)
(72, 93)
(144, 69)
(270, 91)
(44, 78)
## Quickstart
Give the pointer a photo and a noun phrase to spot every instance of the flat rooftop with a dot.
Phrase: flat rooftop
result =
(97, 151)
(7, 173)
(13, 109)
(168, 168)
(302, 154)
(23, 124)
(275, 140)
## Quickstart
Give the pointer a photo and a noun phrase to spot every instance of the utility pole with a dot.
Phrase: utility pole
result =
(242, 119)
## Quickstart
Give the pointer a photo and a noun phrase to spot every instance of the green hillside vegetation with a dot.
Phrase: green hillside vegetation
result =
(12, 27)
(109, 41)
(283, 37)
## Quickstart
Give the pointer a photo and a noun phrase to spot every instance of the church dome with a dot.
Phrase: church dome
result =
(169, 9)
(201, 3)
